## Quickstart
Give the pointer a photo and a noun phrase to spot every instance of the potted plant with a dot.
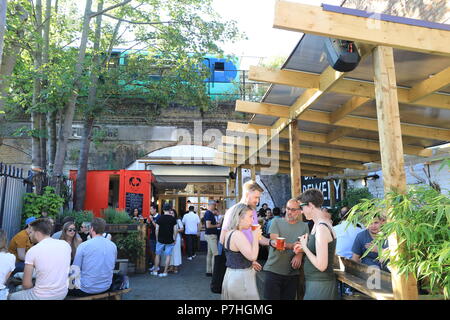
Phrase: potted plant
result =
(130, 247)
(421, 220)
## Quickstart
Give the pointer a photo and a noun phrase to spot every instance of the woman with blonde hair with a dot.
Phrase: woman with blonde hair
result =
(239, 282)
(7, 264)
(69, 232)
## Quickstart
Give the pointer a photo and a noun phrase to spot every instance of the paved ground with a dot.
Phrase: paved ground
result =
(190, 283)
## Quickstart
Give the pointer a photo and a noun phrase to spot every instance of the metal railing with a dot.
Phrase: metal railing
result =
(12, 189)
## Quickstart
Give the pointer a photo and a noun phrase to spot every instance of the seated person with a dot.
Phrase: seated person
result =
(57, 235)
(7, 264)
(96, 259)
(84, 230)
(363, 241)
(346, 234)
(50, 259)
(20, 244)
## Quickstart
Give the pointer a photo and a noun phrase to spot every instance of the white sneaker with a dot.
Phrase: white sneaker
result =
(154, 273)
(189, 258)
(193, 256)
(161, 275)
(154, 268)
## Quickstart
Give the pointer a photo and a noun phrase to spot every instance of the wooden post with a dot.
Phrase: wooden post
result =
(253, 173)
(391, 149)
(294, 149)
(140, 263)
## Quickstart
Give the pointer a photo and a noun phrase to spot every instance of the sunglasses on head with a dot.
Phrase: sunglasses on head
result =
(71, 230)
(303, 204)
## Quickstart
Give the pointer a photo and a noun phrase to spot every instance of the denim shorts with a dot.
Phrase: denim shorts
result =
(167, 248)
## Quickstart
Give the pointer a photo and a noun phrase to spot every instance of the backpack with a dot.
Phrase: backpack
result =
(119, 282)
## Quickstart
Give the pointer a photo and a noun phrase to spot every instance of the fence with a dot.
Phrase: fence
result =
(12, 189)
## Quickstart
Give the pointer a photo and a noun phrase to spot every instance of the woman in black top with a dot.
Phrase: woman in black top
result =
(239, 282)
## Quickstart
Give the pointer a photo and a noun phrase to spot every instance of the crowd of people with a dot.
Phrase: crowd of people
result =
(54, 265)
(301, 254)
(299, 241)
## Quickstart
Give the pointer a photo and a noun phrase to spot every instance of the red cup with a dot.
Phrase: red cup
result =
(280, 243)
(255, 226)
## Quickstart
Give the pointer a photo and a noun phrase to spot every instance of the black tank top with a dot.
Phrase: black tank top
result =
(235, 259)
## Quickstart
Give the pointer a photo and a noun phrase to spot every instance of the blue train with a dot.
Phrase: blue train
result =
(222, 83)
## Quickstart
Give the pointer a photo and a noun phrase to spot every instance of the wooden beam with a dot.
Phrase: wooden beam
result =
(338, 133)
(316, 21)
(394, 177)
(239, 182)
(294, 148)
(364, 144)
(347, 108)
(331, 153)
(253, 172)
(432, 84)
(355, 122)
(349, 87)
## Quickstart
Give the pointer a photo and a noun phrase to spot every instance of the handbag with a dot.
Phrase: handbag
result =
(218, 272)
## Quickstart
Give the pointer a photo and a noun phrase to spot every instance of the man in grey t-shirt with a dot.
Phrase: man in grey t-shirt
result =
(96, 259)
(282, 266)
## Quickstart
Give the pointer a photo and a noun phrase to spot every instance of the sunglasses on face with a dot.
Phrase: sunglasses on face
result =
(71, 230)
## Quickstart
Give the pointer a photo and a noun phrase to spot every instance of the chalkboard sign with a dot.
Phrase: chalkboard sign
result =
(325, 186)
(134, 200)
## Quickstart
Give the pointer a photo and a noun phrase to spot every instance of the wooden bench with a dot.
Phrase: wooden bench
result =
(361, 276)
(113, 295)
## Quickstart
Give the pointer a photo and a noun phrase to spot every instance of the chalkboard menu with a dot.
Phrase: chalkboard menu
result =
(134, 200)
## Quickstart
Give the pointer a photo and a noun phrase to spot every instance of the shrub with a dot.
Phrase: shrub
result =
(112, 216)
(49, 201)
(129, 245)
(80, 216)
(421, 220)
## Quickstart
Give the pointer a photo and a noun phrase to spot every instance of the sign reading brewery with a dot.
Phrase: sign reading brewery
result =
(331, 189)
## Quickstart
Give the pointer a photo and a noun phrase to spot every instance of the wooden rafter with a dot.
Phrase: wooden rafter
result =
(364, 89)
(321, 138)
(430, 85)
(316, 21)
(354, 122)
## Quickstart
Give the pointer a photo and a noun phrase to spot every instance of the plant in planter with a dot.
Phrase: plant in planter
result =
(80, 216)
(353, 196)
(113, 216)
(129, 245)
(49, 201)
(421, 220)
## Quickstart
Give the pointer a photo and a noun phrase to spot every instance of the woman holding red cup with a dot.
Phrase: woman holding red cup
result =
(239, 282)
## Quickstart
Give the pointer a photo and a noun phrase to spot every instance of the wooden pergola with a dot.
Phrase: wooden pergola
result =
(316, 121)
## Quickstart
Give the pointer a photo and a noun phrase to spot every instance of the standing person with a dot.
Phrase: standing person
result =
(96, 259)
(282, 266)
(239, 282)
(211, 233)
(192, 227)
(251, 194)
(319, 249)
(262, 210)
(166, 233)
(68, 234)
(153, 218)
(50, 259)
(7, 264)
(175, 260)
(20, 244)
(84, 231)
(135, 215)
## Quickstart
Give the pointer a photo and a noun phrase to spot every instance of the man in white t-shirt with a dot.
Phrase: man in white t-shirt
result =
(345, 235)
(50, 259)
(192, 226)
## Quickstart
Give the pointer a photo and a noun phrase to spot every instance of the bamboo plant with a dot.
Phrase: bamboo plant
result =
(421, 220)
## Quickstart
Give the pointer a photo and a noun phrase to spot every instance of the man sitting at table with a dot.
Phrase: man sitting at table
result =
(50, 259)
(96, 259)
(20, 244)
